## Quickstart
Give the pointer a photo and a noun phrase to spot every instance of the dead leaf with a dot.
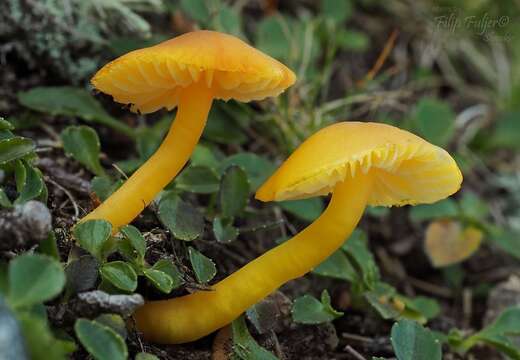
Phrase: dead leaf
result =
(447, 243)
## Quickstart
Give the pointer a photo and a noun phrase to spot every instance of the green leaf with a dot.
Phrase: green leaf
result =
(356, 246)
(166, 266)
(115, 322)
(307, 209)
(507, 131)
(234, 191)
(198, 10)
(92, 235)
(446, 208)
(224, 230)
(4, 200)
(244, 346)
(337, 266)
(473, 207)
(41, 342)
(434, 120)
(20, 174)
(183, 220)
(120, 274)
(198, 179)
(426, 307)
(500, 333)
(135, 238)
(257, 168)
(15, 148)
(221, 128)
(120, 45)
(411, 341)
(34, 279)
(203, 267)
(272, 37)
(336, 10)
(228, 20)
(33, 186)
(100, 341)
(159, 279)
(103, 186)
(150, 138)
(70, 101)
(352, 40)
(82, 143)
(508, 241)
(309, 310)
(383, 299)
(204, 155)
(146, 356)
(5, 125)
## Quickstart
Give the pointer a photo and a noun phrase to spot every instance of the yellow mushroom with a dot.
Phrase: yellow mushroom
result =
(360, 164)
(187, 72)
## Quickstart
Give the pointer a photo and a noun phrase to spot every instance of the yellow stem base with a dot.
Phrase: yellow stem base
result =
(193, 316)
(141, 188)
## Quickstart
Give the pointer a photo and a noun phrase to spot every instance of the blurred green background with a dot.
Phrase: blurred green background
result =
(445, 273)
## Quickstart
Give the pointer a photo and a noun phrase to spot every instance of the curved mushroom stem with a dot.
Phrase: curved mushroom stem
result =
(144, 184)
(193, 316)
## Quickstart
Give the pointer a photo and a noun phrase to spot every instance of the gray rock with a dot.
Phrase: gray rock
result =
(11, 339)
(24, 225)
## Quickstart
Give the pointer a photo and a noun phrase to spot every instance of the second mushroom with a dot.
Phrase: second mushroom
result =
(360, 164)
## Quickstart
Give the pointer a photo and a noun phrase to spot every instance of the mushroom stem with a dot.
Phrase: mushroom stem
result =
(144, 184)
(190, 317)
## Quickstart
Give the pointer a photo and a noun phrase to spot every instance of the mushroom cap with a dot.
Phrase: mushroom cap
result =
(153, 77)
(406, 169)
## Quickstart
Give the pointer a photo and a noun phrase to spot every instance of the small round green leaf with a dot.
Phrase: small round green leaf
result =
(309, 310)
(306, 209)
(82, 143)
(224, 230)
(181, 218)
(5, 125)
(33, 185)
(168, 267)
(446, 208)
(92, 235)
(434, 120)
(100, 341)
(234, 191)
(146, 356)
(411, 341)
(15, 148)
(159, 279)
(198, 179)
(136, 239)
(203, 266)
(103, 186)
(336, 10)
(120, 274)
(256, 167)
(34, 279)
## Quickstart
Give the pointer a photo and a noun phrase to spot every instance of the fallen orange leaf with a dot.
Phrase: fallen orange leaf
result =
(448, 243)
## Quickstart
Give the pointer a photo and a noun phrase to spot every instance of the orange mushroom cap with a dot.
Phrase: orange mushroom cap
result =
(406, 168)
(153, 77)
